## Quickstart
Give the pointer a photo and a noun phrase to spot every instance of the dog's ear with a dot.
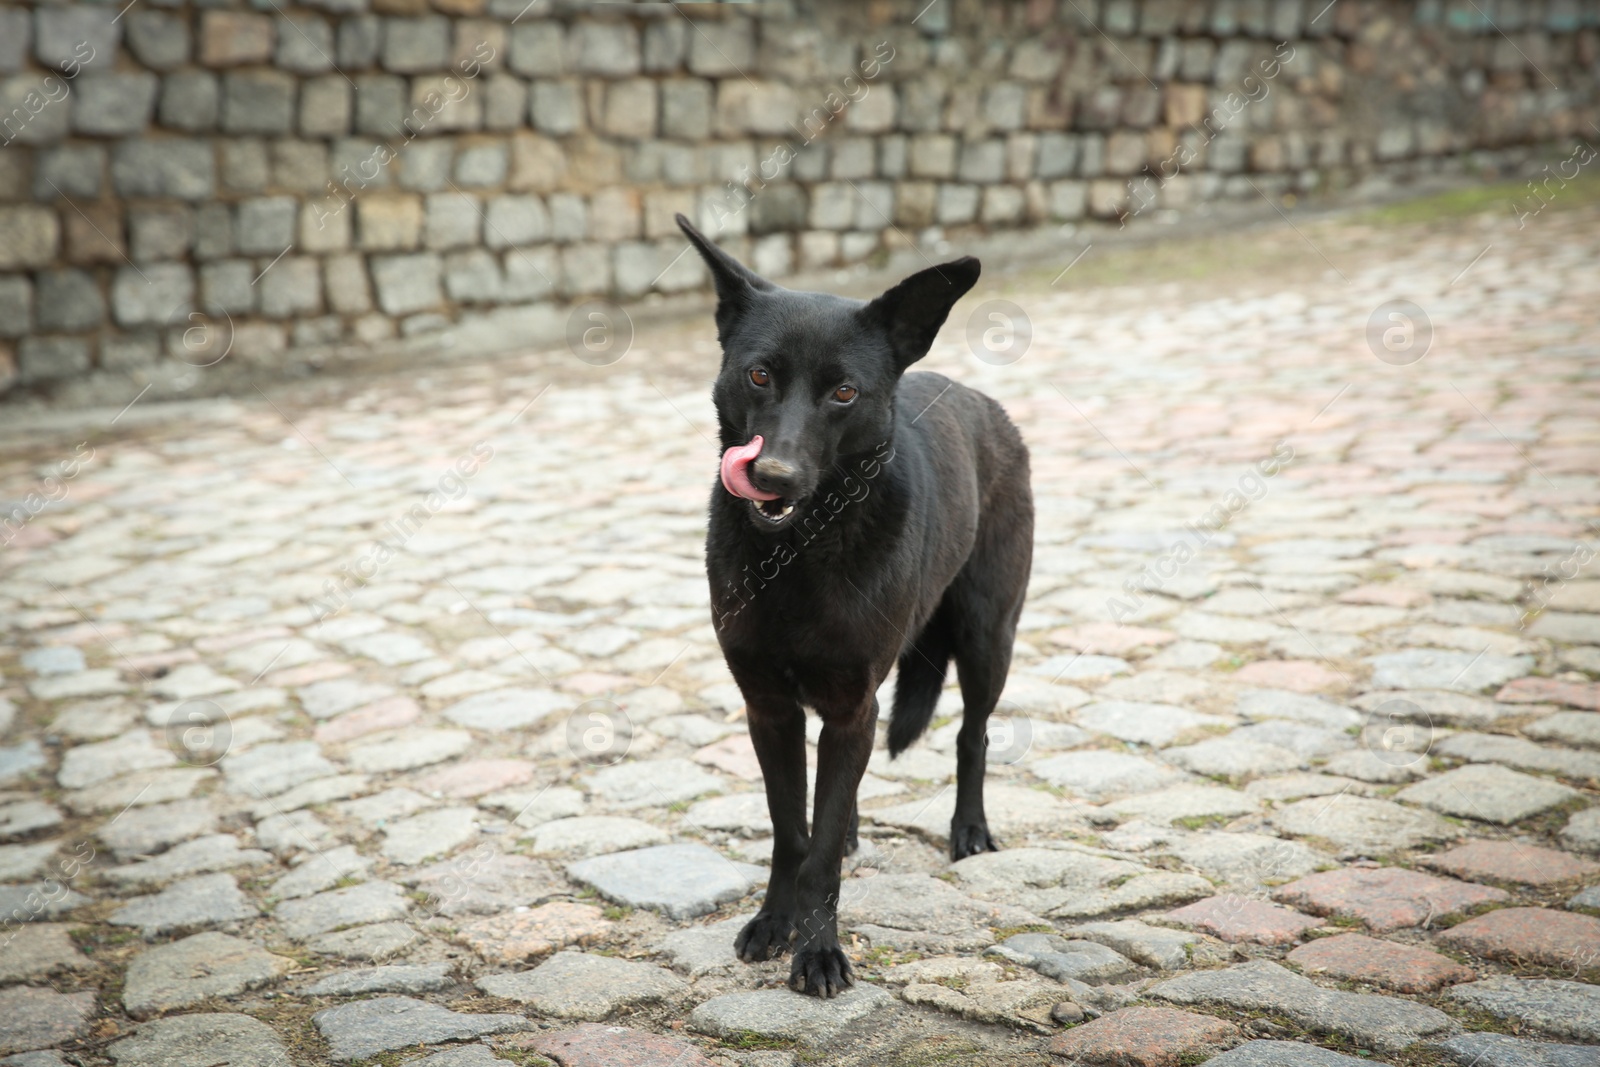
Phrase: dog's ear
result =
(912, 312)
(734, 281)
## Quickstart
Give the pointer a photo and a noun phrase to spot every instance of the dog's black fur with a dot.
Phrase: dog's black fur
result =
(910, 540)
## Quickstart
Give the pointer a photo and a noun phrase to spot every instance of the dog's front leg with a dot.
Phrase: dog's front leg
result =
(820, 966)
(778, 732)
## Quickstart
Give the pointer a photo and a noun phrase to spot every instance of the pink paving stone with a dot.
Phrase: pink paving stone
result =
(1390, 596)
(1236, 918)
(598, 1045)
(1358, 958)
(474, 778)
(514, 936)
(1384, 898)
(293, 677)
(1145, 1037)
(589, 683)
(386, 714)
(1511, 861)
(1551, 691)
(1300, 675)
(734, 754)
(1105, 638)
(1541, 936)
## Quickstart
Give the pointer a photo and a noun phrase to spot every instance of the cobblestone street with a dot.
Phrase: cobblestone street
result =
(381, 718)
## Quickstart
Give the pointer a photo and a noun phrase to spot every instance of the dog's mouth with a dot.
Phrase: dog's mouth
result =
(773, 513)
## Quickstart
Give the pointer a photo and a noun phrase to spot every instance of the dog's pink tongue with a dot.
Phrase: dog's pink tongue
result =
(734, 478)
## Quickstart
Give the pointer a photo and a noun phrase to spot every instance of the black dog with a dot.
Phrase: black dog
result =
(863, 518)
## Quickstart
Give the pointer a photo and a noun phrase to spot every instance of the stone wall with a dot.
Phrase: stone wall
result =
(342, 172)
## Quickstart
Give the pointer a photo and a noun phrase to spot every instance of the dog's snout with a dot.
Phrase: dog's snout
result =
(774, 475)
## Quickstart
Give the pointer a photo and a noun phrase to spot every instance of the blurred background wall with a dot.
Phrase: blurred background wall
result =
(342, 174)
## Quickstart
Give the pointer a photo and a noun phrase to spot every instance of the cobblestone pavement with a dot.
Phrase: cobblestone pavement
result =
(1298, 749)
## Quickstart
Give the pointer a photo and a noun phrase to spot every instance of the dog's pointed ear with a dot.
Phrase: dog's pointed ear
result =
(734, 281)
(912, 312)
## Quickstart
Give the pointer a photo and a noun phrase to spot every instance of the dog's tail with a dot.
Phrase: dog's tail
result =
(918, 685)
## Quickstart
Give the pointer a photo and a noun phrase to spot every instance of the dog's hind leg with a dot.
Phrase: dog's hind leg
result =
(778, 733)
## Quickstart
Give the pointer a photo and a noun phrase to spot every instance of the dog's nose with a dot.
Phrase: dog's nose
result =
(774, 475)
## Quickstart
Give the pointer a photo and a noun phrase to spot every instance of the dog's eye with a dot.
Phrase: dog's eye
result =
(760, 377)
(844, 394)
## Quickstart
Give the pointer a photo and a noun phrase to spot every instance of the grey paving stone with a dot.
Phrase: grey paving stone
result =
(652, 783)
(158, 39)
(322, 870)
(917, 913)
(516, 708)
(24, 817)
(1388, 1024)
(1487, 792)
(409, 750)
(188, 972)
(1071, 883)
(1264, 704)
(1153, 946)
(110, 104)
(367, 1027)
(1519, 753)
(680, 881)
(1568, 728)
(432, 833)
(1232, 757)
(486, 881)
(214, 852)
(267, 770)
(375, 943)
(191, 100)
(1283, 1054)
(1358, 826)
(705, 949)
(370, 902)
(1502, 1050)
(19, 760)
(1434, 668)
(144, 831)
(201, 901)
(38, 901)
(1059, 958)
(1552, 1006)
(1104, 775)
(785, 1015)
(34, 1018)
(201, 1040)
(392, 978)
(1144, 723)
(1184, 802)
(578, 985)
(135, 750)
(381, 808)
(595, 835)
(38, 950)
(297, 831)
(1245, 859)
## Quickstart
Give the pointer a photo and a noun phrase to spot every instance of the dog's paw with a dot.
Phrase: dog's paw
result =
(763, 938)
(822, 972)
(969, 840)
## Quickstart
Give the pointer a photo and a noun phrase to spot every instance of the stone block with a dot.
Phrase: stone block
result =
(538, 48)
(235, 38)
(724, 49)
(76, 36)
(630, 108)
(874, 205)
(358, 41)
(129, 352)
(94, 234)
(1058, 155)
(513, 220)
(45, 359)
(569, 218)
(380, 104)
(529, 274)
(325, 225)
(158, 39)
(34, 110)
(227, 286)
(16, 35)
(1002, 205)
(264, 226)
(1068, 199)
(957, 203)
(451, 220)
(69, 301)
(325, 106)
(301, 166)
(416, 45)
(157, 233)
(933, 155)
(556, 107)
(407, 283)
(779, 208)
(443, 102)
(69, 170)
(16, 305)
(389, 222)
(425, 165)
(1004, 105)
(585, 270)
(345, 281)
(686, 109)
(191, 100)
(607, 48)
(615, 215)
(505, 102)
(29, 235)
(482, 165)
(746, 107)
(538, 164)
(915, 205)
(666, 45)
(873, 113)
(478, 47)
(292, 286)
(258, 101)
(983, 162)
(157, 295)
(245, 167)
(1125, 152)
(213, 231)
(472, 277)
(305, 44)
